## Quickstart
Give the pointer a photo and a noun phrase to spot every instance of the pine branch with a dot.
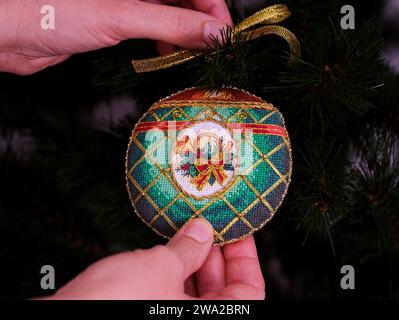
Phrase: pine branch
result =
(333, 82)
(386, 113)
(373, 185)
(319, 200)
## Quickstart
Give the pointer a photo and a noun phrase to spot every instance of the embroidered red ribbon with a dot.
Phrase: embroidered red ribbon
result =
(255, 128)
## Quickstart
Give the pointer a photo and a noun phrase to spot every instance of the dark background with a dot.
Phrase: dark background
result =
(62, 190)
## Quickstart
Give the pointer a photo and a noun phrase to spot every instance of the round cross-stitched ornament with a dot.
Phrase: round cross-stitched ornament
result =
(223, 155)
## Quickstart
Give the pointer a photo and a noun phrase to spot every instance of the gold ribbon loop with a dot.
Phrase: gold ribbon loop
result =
(268, 16)
(287, 35)
(166, 61)
(273, 14)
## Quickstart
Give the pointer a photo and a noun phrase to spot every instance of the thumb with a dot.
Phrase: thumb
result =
(179, 26)
(192, 244)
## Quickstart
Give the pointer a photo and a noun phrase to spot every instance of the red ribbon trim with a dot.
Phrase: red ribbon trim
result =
(254, 128)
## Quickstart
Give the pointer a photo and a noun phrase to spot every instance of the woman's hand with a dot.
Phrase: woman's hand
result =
(188, 267)
(87, 25)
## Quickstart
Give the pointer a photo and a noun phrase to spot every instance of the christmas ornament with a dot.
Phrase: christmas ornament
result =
(222, 155)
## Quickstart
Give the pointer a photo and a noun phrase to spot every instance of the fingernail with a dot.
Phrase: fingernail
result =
(199, 229)
(212, 28)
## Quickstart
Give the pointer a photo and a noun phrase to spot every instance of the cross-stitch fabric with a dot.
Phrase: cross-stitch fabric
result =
(224, 156)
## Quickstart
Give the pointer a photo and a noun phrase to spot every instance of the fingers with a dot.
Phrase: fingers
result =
(242, 264)
(211, 276)
(243, 274)
(215, 8)
(182, 27)
(190, 287)
(190, 246)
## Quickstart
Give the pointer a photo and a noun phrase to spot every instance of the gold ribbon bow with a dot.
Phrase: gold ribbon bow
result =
(268, 16)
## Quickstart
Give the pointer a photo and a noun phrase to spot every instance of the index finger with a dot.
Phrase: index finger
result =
(215, 8)
(244, 278)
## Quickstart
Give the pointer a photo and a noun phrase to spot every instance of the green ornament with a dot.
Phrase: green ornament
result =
(224, 156)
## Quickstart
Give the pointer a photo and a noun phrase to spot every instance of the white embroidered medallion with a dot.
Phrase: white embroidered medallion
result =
(203, 159)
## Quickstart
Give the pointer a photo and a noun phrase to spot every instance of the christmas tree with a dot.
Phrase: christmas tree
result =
(64, 133)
